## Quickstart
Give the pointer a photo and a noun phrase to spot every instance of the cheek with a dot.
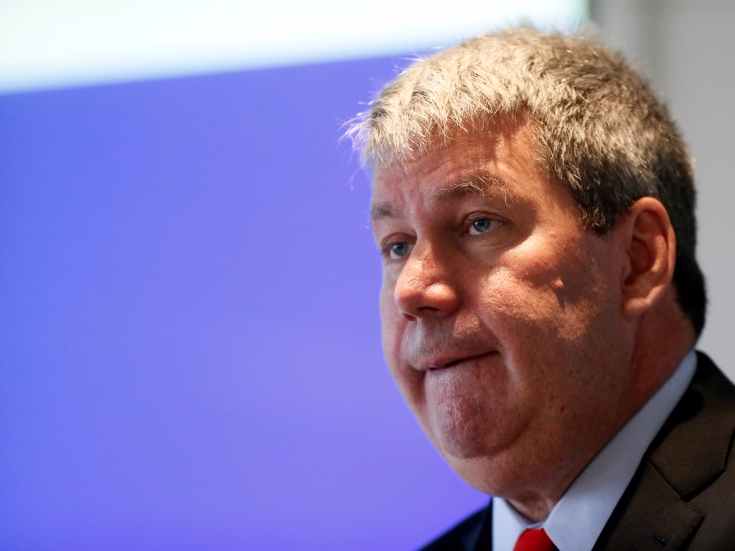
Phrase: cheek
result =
(545, 303)
(410, 382)
(393, 327)
(554, 319)
(389, 321)
(512, 296)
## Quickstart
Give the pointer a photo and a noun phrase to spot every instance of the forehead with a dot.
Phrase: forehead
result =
(465, 148)
(500, 161)
(479, 183)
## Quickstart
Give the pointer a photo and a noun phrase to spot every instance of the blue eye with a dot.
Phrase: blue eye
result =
(397, 250)
(481, 225)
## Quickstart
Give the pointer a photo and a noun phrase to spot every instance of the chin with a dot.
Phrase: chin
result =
(464, 428)
(463, 447)
(495, 464)
(482, 473)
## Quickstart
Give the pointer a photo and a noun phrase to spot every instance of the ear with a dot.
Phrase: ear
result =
(650, 255)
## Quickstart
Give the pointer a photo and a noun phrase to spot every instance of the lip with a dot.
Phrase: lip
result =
(448, 362)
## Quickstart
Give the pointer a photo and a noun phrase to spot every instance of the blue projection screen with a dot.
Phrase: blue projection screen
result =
(190, 349)
(190, 353)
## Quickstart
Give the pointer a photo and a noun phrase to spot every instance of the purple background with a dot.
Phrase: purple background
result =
(190, 350)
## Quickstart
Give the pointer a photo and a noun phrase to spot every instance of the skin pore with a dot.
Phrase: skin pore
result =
(514, 334)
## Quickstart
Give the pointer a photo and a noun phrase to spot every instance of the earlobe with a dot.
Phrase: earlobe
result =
(651, 255)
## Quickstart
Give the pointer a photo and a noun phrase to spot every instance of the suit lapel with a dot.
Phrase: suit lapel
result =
(691, 450)
(688, 454)
(479, 538)
(652, 516)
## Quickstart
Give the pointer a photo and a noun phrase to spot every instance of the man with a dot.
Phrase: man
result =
(534, 207)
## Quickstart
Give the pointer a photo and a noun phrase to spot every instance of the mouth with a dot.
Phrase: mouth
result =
(448, 363)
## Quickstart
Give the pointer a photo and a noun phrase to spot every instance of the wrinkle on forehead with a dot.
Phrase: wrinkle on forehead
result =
(480, 184)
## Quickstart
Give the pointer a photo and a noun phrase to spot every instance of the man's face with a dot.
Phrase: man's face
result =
(501, 315)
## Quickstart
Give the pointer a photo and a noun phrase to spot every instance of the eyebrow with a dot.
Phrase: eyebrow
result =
(478, 184)
(379, 211)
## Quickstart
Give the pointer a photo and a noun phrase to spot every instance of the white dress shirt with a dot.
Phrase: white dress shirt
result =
(578, 518)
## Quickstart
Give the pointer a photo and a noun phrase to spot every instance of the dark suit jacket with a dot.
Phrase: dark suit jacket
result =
(683, 494)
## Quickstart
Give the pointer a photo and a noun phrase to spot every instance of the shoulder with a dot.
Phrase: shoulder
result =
(708, 460)
(682, 493)
(692, 449)
(471, 533)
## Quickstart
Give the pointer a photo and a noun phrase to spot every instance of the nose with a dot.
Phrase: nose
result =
(426, 285)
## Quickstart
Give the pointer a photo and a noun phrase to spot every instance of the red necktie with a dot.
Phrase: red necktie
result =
(534, 539)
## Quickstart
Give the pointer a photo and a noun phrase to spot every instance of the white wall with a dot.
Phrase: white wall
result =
(687, 48)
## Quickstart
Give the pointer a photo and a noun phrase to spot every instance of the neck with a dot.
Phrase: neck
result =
(663, 336)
